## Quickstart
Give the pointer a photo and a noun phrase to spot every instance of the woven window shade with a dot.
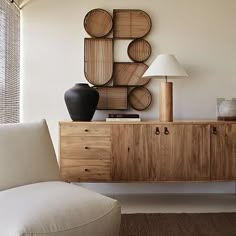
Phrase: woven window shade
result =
(9, 62)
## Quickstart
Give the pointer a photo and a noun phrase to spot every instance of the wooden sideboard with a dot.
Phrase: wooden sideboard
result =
(148, 151)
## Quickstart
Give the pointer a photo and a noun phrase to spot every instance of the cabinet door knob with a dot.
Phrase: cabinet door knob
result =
(214, 131)
(166, 131)
(157, 132)
(86, 147)
(86, 130)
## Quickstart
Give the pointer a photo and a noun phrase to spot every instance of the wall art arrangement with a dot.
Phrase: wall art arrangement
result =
(119, 83)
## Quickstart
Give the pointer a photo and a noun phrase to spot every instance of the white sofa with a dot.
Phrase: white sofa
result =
(33, 199)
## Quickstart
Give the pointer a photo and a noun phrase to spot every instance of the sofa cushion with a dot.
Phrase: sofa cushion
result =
(58, 209)
(26, 155)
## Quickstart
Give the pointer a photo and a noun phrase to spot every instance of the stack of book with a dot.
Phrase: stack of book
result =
(123, 117)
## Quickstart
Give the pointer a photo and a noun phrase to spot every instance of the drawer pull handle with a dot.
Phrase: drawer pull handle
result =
(86, 130)
(157, 132)
(166, 131)
(214, 130)
(86, 170)
(87, 148)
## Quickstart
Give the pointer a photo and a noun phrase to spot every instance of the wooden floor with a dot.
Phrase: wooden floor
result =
(193, 224)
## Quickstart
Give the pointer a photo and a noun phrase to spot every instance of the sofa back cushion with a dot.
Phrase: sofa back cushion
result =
(26, 155)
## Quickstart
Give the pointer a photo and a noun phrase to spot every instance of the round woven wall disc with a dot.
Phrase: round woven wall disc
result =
(139, 50)
(140, 98)
(98, 23)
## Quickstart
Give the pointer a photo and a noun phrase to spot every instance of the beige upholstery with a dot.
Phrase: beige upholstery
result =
(26, 155)
(41, 205)
(57, 208)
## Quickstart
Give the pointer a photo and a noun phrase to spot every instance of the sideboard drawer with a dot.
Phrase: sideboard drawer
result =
(75, 129)
(88, 147)
(86, 170)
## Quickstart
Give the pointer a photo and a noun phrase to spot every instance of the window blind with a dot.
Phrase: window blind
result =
(9, 62)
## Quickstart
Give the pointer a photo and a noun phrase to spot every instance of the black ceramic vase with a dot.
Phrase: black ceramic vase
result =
(81, 102)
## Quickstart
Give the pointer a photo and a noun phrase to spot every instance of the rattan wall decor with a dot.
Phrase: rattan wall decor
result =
(112, 98)
(98, 60)
(140, 98)
(129, 73)
(99, 65)
(131, 24)
(139, 50)
(98, 23)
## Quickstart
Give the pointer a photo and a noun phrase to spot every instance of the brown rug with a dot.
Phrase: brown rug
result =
(203, 224)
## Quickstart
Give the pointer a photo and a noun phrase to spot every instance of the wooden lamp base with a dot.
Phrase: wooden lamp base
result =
(166, 102)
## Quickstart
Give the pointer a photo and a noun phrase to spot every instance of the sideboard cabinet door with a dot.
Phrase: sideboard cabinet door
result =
(223, 152)
(132, 153)
(160, 152)
(185, 152)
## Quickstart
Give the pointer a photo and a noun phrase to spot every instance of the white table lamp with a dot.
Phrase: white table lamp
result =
(165, 65)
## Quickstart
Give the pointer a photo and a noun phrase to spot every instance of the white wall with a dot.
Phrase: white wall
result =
(200, 33)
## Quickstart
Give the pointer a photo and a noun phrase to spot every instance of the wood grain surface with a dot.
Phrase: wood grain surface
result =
(129, 74)
(86, 147)
(98, 60)
(223, 152)
(130, 153)
(155, 122)
(185, 153)
(166, 101)
(84, 129)
(85, 170)
(129, 24)
(85, 152)
(148, 152)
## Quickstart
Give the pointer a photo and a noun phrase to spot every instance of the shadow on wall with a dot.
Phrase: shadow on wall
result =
(160, 188)
(23, 3)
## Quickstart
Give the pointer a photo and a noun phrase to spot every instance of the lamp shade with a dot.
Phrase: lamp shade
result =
(165, 65)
